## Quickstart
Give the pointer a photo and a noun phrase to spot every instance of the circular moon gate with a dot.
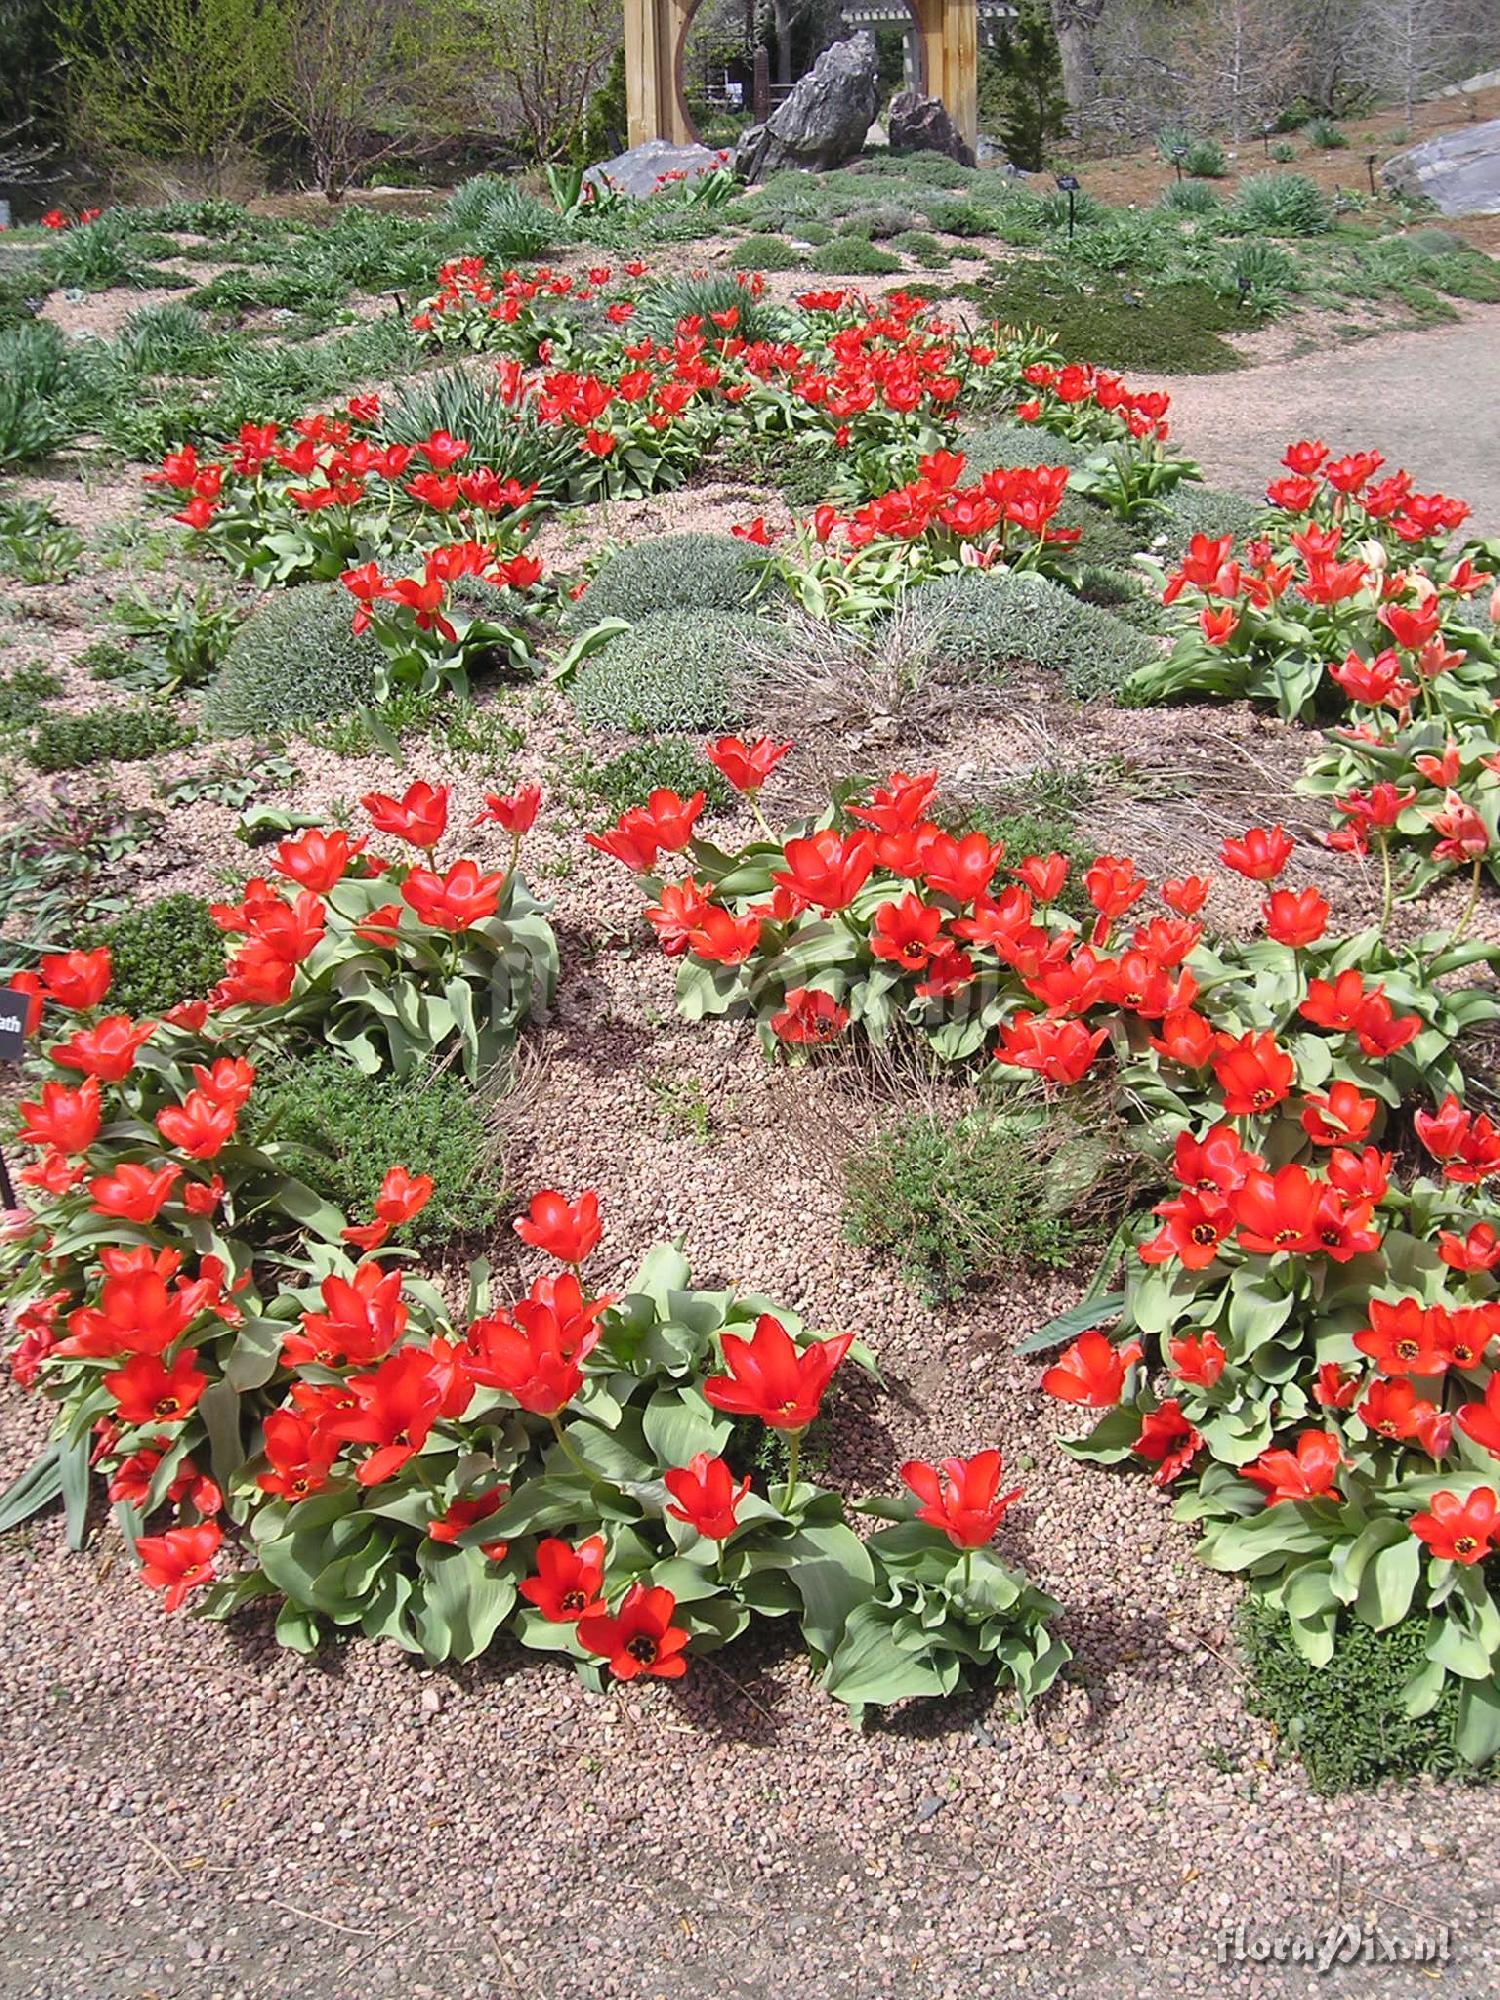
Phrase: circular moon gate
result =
(656, 30)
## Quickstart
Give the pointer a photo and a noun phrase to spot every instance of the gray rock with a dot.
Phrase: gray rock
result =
(824, 121)
(1459, 172)
(639, 171)
(922, 125)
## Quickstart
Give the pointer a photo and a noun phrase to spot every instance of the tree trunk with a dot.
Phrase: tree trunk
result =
(781, 14)
(1074, 22)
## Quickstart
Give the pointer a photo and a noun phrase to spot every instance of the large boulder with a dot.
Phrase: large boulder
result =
(921, 125)
(824, 120)
(1458, 172)
(643, 169)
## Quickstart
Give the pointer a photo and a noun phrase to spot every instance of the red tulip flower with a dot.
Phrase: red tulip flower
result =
(569, 1582)
(1307, 1472)
(1333, 1389)
(746, 765)
(66, 1120)
(364, 1317)
(463, 1514)
(1045, 875)
(1187, 895)
(810, 1018)
(633, 840)
(1113, 885)
(147, 1391)
(1197, 1358)
(1168, 1440)
(900, 805)
(198, 1127)
(1394, 1410)
(398, 1404)
(961, 1497)
(769, 1377)
(456, 901)
(300, 1454)
(672, 818)
(419, 816)
(402, 1196)
(1340, 1116)
(107, 1050)
(1478, 1251)
(513, 812)
(1260, 854)
(640, 1638)
(706, 1495)
(1465, 837)
(138, 1311)
(317, 860)
(1186, 1038)
(1481, 1420)
(1462, 1531)
(381, 927)
(538, 1361)
(722, 938)
(828, 869)
(77, 979)
(568, 1231)
(1060, 1051)
(134, 1192)
(962, 869)
(1090, 1372)
(1404, 1337)
(228, 1081)
(1295, 918)
(1254, 1073)
(178, 1561)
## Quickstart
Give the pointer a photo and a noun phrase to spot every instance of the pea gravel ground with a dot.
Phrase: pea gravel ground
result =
(187, 1813)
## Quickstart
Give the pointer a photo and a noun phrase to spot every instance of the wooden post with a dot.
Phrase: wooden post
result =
(949, 31)
(653, 104)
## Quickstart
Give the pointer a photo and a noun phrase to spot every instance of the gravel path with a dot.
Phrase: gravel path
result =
(1427, 399)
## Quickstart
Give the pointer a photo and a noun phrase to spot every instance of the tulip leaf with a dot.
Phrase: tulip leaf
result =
(73, 1468)
(679, 1423)
(1077, 1319)
(833, 1572)
(868, 1667)
(1477, 1737)
(32, 1490)
(219, 1407)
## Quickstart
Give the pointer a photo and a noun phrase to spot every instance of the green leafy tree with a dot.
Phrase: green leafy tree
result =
(170, 79)
(1021, 93)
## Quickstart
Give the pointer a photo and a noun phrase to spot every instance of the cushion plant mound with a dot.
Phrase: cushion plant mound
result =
(295, 659)
(985, 619)
(671, 671)
(692, 572)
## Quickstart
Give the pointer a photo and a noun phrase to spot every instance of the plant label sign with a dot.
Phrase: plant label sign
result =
(14, 1006)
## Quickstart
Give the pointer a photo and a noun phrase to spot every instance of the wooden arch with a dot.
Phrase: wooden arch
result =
(656, 32)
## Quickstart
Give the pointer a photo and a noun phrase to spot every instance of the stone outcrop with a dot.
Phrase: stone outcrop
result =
(1458, 172)
(824, 121)
(922, 125)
